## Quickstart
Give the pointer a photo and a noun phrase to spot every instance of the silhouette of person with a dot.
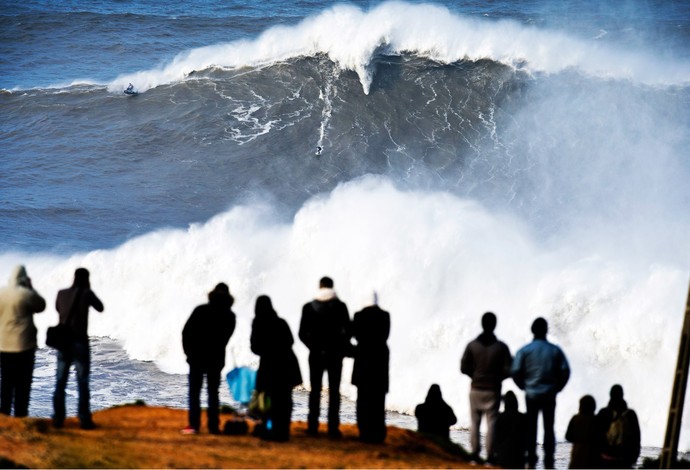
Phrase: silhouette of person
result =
(326, 330)
(204, 339)
(619, 432)
(487, 362)
(73, 306)
(435, 416)
(370, 327)
(582, 432)
(279, 373)
(540, 369)
(510, 429)
(18, 304)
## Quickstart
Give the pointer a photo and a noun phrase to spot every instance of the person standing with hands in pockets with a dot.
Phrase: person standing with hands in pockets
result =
(325, 329)
(541, 370)
(487, 362)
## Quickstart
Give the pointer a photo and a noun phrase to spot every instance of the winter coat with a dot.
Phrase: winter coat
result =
(510, 442)
(582, 432)
(487, 362)
(206, 335)
(370, 327)
(272, 340)
(621, 454)
(435, 416)
(540, 369)
(325, 325)
(18, 303)
(77, 318)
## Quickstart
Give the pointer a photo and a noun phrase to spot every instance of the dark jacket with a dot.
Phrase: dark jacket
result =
(623, 454)
(435, 416)
(582, 432)
(325, 326)
(272, 340)
(206, 334)
(370, 327)
(73, 306)
(487, 362)
(510, 439)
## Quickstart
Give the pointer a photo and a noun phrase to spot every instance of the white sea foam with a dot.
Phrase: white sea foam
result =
(351, 37)
(437, 261)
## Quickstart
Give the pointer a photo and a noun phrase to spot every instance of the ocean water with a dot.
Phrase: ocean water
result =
(524, 157)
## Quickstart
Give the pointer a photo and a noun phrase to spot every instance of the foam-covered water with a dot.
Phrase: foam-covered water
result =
(496, 158)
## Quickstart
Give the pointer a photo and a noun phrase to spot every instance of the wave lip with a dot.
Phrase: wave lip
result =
(352, 37)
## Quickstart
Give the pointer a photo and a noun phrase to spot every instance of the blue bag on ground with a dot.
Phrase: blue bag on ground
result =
(241, 381)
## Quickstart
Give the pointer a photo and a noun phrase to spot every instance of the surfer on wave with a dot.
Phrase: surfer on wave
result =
(130, 90)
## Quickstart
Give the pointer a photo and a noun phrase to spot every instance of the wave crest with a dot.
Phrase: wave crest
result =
(352, 37)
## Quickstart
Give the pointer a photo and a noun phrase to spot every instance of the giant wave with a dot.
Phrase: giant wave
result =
(487, 166)
(352, 37)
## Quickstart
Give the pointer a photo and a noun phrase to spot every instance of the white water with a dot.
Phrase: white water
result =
(437, 261)
(350, 37)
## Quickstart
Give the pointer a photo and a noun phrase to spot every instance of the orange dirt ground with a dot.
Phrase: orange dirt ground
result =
(149, 437)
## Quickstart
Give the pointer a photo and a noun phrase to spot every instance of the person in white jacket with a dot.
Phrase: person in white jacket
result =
(18, 303)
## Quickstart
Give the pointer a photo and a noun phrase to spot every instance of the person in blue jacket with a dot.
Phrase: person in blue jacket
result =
(540, 369)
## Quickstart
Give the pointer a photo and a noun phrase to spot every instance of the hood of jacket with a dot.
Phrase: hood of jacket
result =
(19, 277)
(325, 294)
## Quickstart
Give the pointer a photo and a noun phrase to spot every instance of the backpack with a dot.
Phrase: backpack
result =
(619, 430)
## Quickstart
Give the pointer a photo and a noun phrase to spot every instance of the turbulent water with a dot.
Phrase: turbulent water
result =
(519, 157)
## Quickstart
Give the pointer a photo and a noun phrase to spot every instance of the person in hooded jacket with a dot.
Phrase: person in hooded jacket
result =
(18, 304)
(204, 339)
(278, 373)
(435, 416)
(487, 362)
(370, 327)
(510, 430)
(619, 432)
(73, 306)
(582, 432)
(325, 329)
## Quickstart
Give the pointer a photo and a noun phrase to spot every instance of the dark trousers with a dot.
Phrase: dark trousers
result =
(371, 414)
(16, 373)
(547, 406)
(333, 365)
(79, 354)
(196, 379)
(280, 414)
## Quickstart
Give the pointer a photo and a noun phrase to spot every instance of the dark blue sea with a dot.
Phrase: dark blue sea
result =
(524, 157)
